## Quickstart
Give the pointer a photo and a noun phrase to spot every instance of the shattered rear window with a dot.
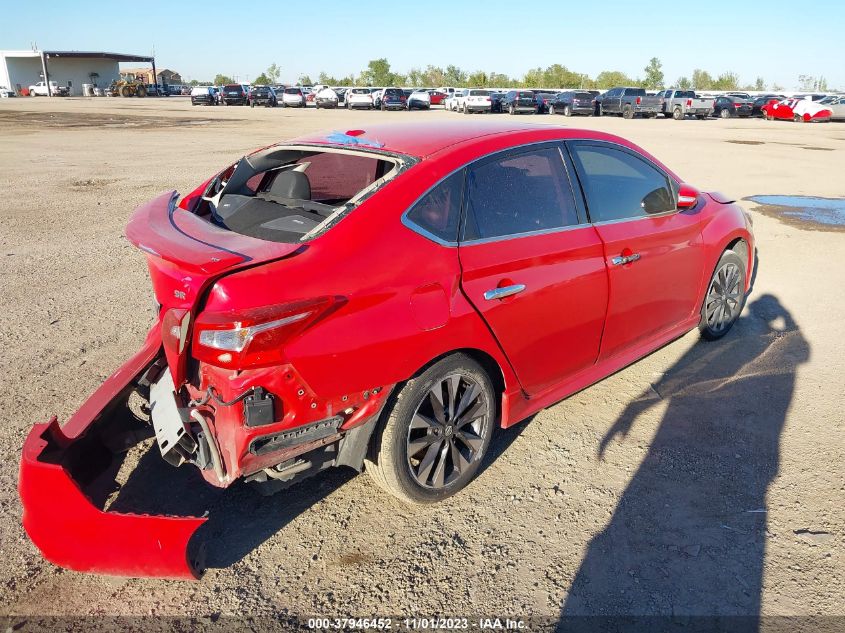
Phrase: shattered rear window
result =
(292, 193)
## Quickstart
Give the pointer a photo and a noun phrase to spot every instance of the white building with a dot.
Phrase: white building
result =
(21, 69)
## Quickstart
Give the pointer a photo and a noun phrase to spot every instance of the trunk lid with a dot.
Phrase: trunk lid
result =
(185, 255)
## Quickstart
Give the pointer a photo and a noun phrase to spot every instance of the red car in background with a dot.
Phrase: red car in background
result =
(383, 299)
(437, 98)
(797, 110)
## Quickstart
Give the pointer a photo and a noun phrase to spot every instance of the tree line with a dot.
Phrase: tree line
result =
(379, 73)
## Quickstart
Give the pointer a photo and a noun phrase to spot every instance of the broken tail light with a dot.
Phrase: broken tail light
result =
(254, 338)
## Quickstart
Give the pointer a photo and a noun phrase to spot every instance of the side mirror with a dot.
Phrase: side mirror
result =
(687, 196)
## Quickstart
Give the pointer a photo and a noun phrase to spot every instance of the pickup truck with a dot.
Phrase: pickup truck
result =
(40, 89)
(628, 102)
(680, 103)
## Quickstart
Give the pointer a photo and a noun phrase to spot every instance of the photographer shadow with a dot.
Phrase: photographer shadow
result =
(688, 536)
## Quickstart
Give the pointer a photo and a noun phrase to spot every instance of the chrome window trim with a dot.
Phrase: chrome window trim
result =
(516, 236)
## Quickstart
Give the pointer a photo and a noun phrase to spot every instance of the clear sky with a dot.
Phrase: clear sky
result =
(774, 39)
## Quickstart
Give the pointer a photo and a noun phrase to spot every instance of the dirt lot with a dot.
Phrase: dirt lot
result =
(705, 479)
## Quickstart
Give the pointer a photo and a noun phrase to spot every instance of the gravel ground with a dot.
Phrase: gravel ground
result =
(705, 479)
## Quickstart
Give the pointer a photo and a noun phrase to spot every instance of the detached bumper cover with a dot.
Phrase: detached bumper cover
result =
(64, 523)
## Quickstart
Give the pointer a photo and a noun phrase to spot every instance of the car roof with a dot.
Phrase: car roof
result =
(422, 139)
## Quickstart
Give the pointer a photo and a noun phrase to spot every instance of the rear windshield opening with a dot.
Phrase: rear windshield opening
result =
(290, 194)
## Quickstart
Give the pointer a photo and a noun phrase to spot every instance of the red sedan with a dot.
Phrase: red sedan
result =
(437, 98)
(383, 299)
(797, 110)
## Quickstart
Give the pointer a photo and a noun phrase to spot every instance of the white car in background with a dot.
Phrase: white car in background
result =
(476, 100)
(836, 103)
(326, 98)
(5, 93)
(452, 102)
(359, 98)
(420, 99)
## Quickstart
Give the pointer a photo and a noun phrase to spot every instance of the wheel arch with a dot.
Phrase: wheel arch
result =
(490, 366)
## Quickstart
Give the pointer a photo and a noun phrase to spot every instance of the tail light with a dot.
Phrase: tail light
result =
(639, 100)
(689, 103)
(737, 105)
(254, 338)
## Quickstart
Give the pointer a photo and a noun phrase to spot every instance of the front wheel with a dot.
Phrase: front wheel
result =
(435, 432)
(725, 297)
(567, 111)
(511, 109)
(725, 114)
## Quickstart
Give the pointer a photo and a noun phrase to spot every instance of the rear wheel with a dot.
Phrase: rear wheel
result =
(552, 110)
(677, 114)
(567, 111)
(725, 114)
(725, 297)
(511, 109)
(628, 112)
(435, 432)
(141, 92)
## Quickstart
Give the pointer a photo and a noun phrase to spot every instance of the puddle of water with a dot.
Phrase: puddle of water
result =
(827, 211)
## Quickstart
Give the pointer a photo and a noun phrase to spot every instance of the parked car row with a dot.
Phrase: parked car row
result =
(628, 102)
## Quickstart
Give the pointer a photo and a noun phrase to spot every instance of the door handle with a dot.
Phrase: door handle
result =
(619, 260)
(504, 291)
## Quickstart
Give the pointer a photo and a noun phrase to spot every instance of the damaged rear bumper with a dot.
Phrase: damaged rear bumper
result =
(60, 464)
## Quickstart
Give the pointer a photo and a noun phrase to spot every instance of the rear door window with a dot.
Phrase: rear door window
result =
(619, 185)
(520, 192)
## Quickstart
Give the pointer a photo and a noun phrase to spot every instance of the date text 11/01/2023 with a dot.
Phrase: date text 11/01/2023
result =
(417, 624)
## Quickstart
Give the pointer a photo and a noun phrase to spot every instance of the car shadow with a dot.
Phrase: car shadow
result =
(688, 535)
(240, 518)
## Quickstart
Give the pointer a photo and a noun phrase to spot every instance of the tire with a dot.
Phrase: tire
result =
(511, 109)
(627, 112)
(700, 117)
(677, 114)
(725, 114)
(725, 297)
(599, 110)
(411, 422)
(141, 91)
(125, 91)
(552, 110)
(252, 104)
(567, 111)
